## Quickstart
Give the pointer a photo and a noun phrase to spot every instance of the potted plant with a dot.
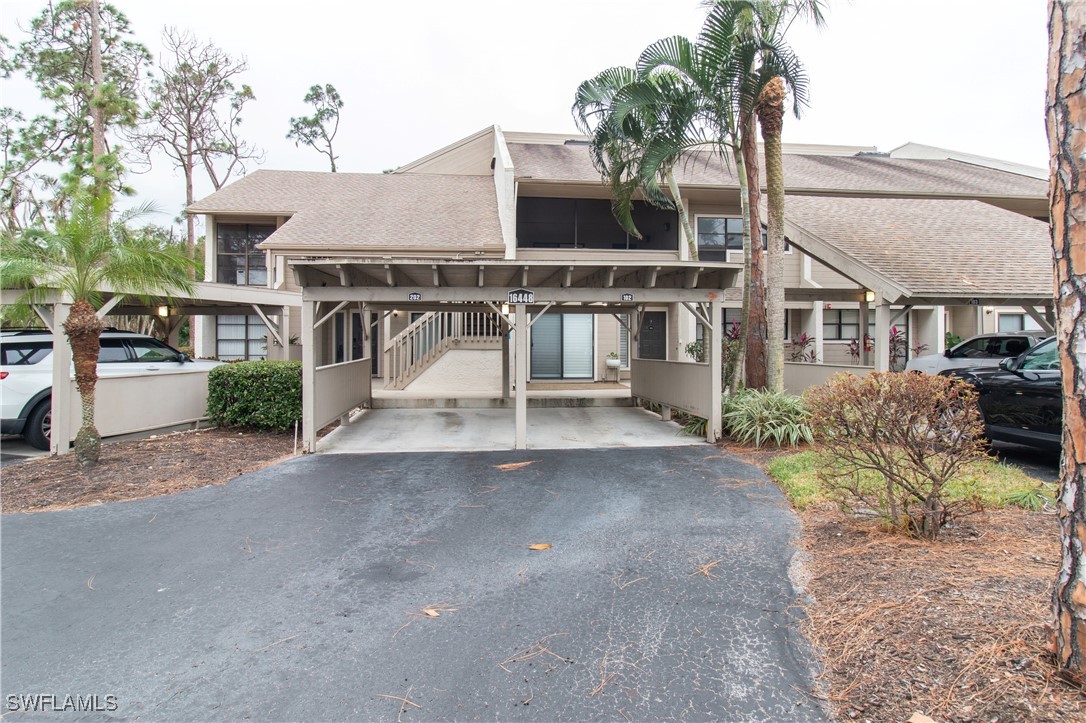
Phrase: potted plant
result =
(613, 362)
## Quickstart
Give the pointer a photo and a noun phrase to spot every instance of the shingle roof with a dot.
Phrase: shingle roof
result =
(367, 211)
(934, 247)
(871, 174)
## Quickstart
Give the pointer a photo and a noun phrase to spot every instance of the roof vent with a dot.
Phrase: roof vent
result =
(578, 142)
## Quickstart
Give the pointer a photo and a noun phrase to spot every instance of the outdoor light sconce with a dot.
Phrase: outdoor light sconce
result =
(505, 309)
(163, 311)
(869, 296)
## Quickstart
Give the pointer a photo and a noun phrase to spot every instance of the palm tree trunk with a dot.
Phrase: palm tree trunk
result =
(744, 205)
(684, 219)
(754, 327)
(771, 117)
(1066, 117)
(83, 328)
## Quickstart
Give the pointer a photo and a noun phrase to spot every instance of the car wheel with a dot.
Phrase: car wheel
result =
(39, 424)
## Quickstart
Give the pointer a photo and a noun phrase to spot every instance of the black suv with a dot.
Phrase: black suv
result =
(1021, 400)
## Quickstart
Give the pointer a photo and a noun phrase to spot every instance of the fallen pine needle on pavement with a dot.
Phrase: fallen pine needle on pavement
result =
(434, 610)
(707, 570)
(513, 465)
(534, 651)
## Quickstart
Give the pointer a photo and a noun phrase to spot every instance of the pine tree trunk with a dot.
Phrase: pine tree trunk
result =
(98, 113)
(771, 117)
(83, 328)
(754, 328)
(1066, 121)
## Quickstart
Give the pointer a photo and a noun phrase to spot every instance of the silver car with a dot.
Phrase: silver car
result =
(978, 351)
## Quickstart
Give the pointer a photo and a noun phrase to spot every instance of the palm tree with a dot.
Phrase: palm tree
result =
(727, 69)
(745, 38)
(85, 252)
(765, 23)
(639, 129)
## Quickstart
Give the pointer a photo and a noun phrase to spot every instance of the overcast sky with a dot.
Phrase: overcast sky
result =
(962, 74)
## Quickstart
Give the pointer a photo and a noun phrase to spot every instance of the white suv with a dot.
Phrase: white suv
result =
(26, 374)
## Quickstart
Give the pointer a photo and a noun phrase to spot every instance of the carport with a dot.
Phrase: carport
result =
(519, 292)
(121, 403)
(919, 253)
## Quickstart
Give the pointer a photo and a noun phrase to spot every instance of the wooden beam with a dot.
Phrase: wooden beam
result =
(272, 326)
(539, 314)
(698, 313)
(1041, 321)
(691, 280)
(330, 314)
(650, 277)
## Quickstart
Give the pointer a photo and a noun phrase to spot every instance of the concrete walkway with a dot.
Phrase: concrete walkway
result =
(448, 430)
(298, 593)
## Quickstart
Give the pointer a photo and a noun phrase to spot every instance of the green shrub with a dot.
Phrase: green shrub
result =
(758, 417)
(918, 432)
(261, 394)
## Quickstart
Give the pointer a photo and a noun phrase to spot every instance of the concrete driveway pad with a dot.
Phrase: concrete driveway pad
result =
(300, 593)
(448, 430)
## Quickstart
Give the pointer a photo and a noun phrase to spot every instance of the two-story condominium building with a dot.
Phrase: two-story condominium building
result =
(424, 272)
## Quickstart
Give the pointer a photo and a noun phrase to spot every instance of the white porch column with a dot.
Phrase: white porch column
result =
(930, 329)
(521, 332)
(877, 341)
(714, 428)
(882, 336)
(62, 400)
(309, 377)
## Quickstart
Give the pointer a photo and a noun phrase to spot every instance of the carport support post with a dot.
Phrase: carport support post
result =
(521, 331)
(61, 414)
(714, 427)
(309, 377)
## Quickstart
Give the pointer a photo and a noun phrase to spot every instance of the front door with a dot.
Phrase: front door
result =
(562, 346)
(652, 342)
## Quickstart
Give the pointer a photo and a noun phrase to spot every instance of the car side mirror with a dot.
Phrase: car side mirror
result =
(182, 357)
(1007, 364)
(947, 353)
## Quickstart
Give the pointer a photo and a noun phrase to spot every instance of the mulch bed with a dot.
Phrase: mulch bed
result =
(955, 629)
(140, 468)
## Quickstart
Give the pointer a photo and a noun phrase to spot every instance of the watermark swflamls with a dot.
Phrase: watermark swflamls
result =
(52, 703)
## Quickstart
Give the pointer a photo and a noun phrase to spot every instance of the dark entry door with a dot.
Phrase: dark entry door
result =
(652, 343)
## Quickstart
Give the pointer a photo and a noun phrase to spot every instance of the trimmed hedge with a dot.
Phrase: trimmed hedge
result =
(261, 394)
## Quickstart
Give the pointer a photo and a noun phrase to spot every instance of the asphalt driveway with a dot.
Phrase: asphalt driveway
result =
(301, 591)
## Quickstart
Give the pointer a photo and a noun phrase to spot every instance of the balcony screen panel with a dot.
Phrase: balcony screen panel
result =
(590, 223)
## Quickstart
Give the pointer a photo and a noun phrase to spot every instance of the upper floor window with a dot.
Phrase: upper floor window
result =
(719, 236)
(239, 261)
(588, 223)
